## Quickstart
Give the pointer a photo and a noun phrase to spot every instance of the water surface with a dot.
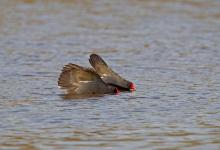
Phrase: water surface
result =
(170, 49)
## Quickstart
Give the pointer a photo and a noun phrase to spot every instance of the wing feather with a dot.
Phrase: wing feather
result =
(106, 73)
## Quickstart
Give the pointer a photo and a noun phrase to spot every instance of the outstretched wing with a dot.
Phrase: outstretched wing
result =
(106, 73)
(81, 80)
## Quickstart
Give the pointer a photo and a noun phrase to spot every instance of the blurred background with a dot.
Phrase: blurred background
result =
(169, 48)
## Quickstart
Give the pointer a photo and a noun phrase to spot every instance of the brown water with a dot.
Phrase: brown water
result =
(170, 49)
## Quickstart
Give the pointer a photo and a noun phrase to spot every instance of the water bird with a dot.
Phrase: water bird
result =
(100, 79)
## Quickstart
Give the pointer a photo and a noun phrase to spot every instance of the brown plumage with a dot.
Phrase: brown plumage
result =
(80, 81)
(108, 75)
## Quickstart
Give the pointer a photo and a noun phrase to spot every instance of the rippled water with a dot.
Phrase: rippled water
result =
(170, 49)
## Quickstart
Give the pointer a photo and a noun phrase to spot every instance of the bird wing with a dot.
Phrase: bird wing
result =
(73, 77)
(106, 73)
